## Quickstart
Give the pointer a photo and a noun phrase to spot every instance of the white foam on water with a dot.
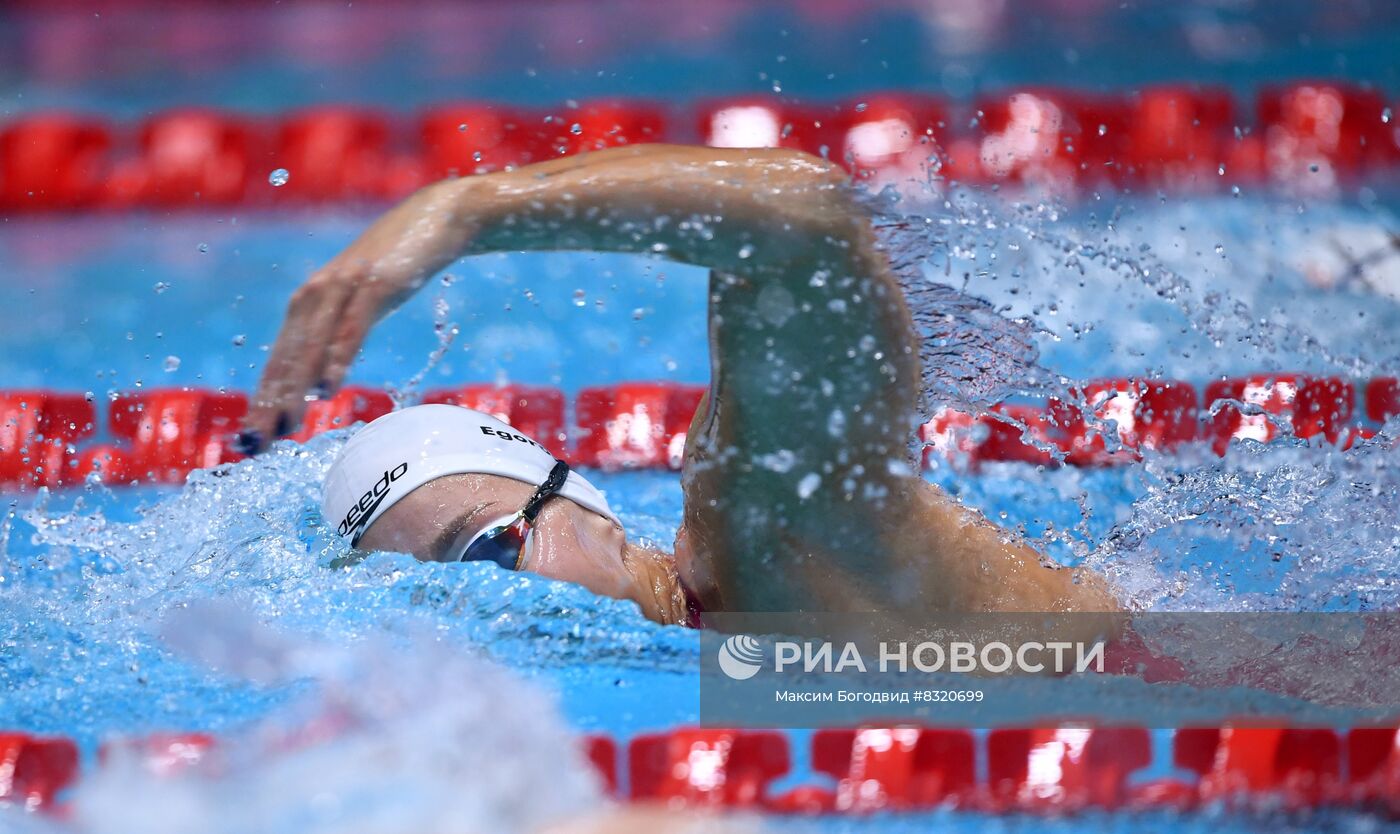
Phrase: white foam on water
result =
(1023, 299)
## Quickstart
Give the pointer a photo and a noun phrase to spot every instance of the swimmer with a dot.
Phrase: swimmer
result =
(801, 493)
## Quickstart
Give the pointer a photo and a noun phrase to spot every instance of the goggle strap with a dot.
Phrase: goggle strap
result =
(555, 482)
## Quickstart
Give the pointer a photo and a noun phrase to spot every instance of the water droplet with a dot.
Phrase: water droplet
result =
(240, 340)
(637, 313)
(746, 251)
(1313, 168)
(808, 485)
(1385, 116)
(860, 108)
(1103, 129)
(1219, 249)
(1221, 169)
(476, 156)
(462, 128)
(203, 247)
(160, 287)
(1235, 190)
(576, 128)
(279, 177)
(172, 364)
(579, 298)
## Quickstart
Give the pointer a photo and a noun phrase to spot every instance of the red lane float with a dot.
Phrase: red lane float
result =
(893, 138)
(1155, 415)
(707, 768)
(1317, 133)
(188, 158)
(950, 435)
(53, 161)
(1099, 146)
(1373, 767)
(594, 126)
(333, 153)
(635, 424)
(113, 465)
(166, 433)
(37, 433)
(537, 412)
(350, 405)
(750, 122)
(1311, 135)
(1301, 765)
(762, 122)
(1177, 137)
(1005, 439)
(601, 752)
(1026, 136)
(33, 769)
(1311, 405)
(173, 431)
(464, 139)
(1055, 770)
(1064, 768)
(900, 768)
(1383, 398)
(162, 754)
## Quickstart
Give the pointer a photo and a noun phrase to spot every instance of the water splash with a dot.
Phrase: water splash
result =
(1284, 526)
(85, 590)
(385, 736)
(971, 355)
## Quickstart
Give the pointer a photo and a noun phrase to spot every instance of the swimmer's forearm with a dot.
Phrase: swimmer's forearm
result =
(740, 212)
(780, 215)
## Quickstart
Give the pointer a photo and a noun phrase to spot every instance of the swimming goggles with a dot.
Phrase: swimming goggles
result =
(504, 541)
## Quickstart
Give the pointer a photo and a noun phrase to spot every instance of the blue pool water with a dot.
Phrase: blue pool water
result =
(216, 606)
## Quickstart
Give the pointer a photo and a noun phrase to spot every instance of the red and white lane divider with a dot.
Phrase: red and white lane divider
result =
(161, 435)
(907, 768)
(1308, 135)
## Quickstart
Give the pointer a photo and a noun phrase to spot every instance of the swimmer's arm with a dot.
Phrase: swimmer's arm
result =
(758, 214)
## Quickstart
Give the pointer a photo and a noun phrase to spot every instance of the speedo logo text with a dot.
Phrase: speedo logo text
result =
(361, 510)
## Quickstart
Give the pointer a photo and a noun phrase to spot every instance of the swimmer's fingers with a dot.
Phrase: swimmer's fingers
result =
(361, 312)
(298, 359)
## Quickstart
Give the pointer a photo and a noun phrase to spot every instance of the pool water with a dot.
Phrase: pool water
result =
(216, 606)
(222, 606)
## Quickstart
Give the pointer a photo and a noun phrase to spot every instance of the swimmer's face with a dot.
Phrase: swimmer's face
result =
(569, 543)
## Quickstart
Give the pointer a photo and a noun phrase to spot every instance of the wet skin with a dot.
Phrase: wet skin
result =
(567, 542)
(800, 489)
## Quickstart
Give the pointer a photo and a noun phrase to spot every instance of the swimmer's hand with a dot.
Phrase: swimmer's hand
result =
(617, 200)
(330, 315)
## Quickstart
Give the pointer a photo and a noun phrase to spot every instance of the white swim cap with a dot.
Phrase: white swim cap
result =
(401, 451)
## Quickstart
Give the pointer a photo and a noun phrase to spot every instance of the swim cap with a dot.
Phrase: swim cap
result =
(401, 451)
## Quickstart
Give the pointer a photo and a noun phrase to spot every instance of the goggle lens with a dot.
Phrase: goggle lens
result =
(505, 541)
(503, 544)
